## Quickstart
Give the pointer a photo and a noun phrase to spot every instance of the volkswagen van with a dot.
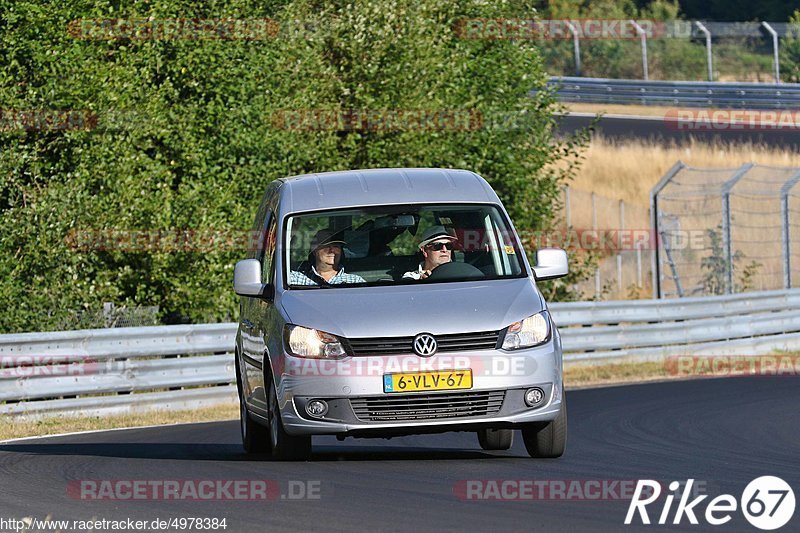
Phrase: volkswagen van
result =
(346, 331)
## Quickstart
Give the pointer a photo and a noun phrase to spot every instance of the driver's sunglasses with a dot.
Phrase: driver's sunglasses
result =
(436, 246)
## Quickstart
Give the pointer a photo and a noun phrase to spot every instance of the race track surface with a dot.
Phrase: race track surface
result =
(655, 129)
(721, 432)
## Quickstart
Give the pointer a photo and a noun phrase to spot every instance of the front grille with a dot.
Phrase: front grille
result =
(454, 342)
(428, 406)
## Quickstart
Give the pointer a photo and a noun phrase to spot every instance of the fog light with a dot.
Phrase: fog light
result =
(534, 396)
(317, 408)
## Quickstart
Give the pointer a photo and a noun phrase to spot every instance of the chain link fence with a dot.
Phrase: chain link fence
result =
(111, 316)
(723, 231)
(616, 233)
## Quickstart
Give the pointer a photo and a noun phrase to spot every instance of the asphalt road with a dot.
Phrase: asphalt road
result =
(621, 127)
(722, 433)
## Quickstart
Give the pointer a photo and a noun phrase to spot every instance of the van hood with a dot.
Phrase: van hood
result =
(406, 310)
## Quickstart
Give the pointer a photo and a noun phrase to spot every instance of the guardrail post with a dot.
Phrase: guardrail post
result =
(775, 61)
(619, 242)
(577, 47)
(708, 48)
(786, 241)
(654, 217)
(727, 246)
(643, 36)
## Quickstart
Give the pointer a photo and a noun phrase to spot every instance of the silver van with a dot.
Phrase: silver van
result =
(377, 303)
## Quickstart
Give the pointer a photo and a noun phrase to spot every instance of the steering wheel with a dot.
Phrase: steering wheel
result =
(453, 270)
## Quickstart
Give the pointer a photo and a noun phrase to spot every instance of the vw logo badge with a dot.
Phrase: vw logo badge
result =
(425, 345)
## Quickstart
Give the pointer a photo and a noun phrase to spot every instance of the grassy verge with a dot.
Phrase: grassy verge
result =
(15, 429)
(618, 109)
(583, 376)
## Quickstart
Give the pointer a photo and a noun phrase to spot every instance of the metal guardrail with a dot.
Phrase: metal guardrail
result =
(94, 372)
(678, 93)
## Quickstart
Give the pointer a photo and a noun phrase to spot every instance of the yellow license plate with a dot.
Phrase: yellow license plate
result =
(426, 381)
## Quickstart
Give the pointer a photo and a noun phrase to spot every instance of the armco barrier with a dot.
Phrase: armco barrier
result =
(738, 95)
(105, 371)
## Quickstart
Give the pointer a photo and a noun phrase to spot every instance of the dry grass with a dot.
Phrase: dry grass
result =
(628, 170)
(589, 375)
(14, 428)
(618, 109)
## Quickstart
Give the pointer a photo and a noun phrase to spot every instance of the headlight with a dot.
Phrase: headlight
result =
(530, 332)
(305, 342)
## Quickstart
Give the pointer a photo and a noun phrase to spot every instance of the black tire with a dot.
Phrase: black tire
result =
(255, 437)
(496, 439)
(285, 447)
(547, 439)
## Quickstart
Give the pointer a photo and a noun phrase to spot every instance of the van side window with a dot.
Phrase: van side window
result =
(266, 252)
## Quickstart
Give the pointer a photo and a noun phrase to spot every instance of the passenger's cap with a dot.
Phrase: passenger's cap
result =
(326, 237)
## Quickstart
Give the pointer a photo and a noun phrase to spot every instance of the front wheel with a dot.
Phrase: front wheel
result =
(255, 438)
(547, 439)
(285, 447)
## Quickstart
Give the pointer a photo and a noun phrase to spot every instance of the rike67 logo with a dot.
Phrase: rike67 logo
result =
(767, 503)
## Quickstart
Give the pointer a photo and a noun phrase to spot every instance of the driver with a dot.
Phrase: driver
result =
(436, 245)
(324, 267)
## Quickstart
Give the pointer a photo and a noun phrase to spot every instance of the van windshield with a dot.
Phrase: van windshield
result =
(406, 244)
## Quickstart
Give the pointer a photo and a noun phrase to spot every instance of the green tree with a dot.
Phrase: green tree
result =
(790, 51)
(187, 137)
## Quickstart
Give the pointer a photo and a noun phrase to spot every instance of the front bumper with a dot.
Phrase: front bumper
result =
(358, 382)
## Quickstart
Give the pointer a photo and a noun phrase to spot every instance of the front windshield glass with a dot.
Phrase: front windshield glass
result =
(392, 245)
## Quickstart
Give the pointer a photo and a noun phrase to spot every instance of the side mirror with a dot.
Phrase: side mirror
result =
(247, 278)
(551, 263)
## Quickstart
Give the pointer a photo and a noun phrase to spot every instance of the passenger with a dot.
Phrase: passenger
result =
(436, 245)
(323, 266)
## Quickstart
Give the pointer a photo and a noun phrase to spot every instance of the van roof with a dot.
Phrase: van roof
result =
(354, 188)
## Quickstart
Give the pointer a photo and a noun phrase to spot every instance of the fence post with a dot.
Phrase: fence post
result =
(597, 286)
(639, 280)
(708, 48)
(776, 65)
(654, 258)
(577, 48)
(643, 36)
(567, 214)
(786, 241)
(727, 246)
